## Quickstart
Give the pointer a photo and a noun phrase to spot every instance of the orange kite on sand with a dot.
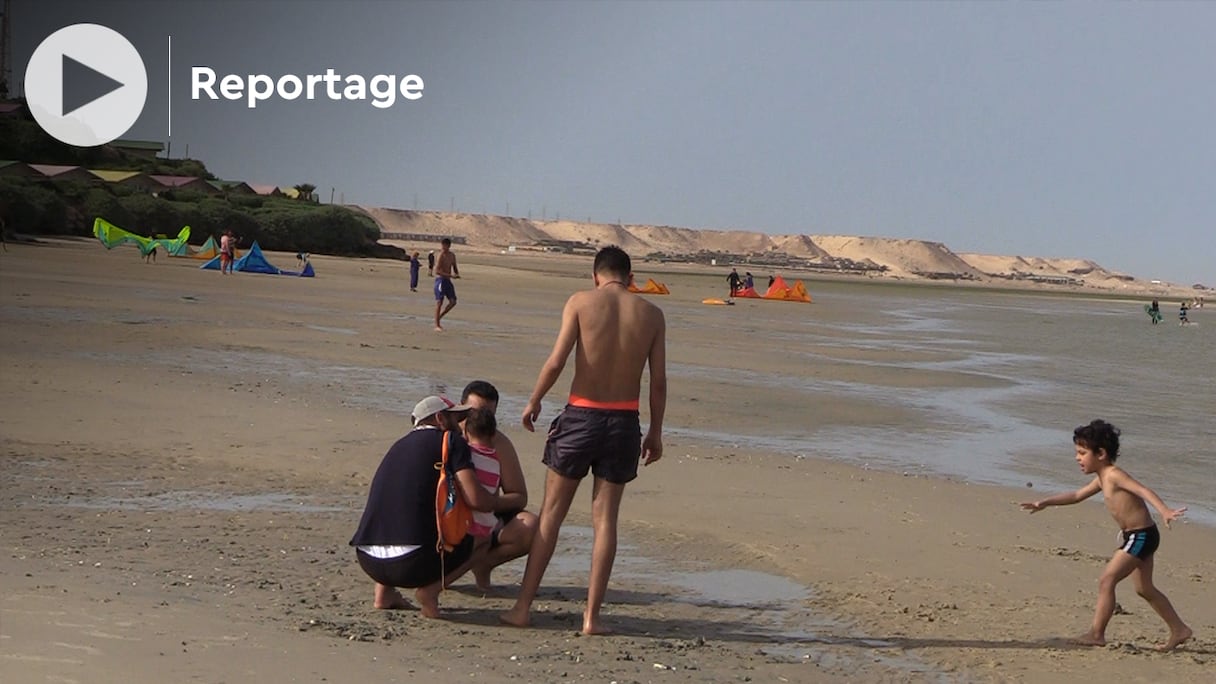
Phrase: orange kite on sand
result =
(651, 287)
(779, 291)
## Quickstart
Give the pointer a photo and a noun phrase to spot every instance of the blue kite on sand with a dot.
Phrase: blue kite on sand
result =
(255, 262)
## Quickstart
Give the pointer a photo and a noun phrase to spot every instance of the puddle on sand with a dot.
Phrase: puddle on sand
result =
(201, 501)
(770, 610)
(741, 588)
(327, 328)
(382, 389)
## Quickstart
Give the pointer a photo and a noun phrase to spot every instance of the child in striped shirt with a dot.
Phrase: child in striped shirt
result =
(479, 429)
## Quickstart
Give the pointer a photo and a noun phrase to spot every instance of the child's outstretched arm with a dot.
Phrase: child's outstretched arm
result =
(1064, 498)
(1130, 483)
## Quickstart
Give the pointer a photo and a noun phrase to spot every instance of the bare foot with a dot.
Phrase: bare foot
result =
(596, 629)
(428, 599)
(482, 577)
(515, 618)
(1176, 639)
(1088, 639)
(439, 328)
(388, 598)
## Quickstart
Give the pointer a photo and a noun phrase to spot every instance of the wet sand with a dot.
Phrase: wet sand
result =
(185, 456)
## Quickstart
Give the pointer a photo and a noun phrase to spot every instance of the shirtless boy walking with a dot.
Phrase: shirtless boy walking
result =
(1097, 448)
(445, 270)
(614, 335)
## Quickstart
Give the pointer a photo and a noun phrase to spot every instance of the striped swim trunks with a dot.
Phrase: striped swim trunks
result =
(1141, 543)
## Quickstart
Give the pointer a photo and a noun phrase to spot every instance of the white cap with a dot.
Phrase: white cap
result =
(435, 404)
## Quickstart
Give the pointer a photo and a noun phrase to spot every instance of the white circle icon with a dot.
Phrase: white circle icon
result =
(86, 84)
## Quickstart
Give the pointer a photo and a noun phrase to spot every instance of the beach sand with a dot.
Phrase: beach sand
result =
(184, 456)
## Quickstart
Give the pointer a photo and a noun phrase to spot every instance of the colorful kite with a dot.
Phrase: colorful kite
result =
(112, 236)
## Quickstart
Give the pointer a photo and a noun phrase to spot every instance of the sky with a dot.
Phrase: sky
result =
(1065, 130)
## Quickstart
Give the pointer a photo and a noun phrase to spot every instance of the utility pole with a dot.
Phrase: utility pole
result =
(331, 194)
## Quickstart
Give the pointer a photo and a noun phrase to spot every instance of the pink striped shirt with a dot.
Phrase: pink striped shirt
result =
(489, 474)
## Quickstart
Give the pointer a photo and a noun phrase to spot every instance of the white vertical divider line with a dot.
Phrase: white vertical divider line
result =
(169, 78)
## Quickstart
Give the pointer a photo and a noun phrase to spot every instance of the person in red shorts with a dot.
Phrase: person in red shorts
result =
(614, 335)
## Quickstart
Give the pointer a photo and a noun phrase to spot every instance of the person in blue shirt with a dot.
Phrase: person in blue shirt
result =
(415, 267)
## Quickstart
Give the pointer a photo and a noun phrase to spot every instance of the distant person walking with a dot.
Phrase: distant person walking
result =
(445, 271)
(150, 255)
(748, 281)
(1182, 319)
(734, 281)
(430, 264)
(1154, 312)
(415, 267)
(615, 335)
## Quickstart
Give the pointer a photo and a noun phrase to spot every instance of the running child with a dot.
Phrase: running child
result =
(1097, 447)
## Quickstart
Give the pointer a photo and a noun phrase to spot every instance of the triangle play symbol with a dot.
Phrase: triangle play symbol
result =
(83, 84)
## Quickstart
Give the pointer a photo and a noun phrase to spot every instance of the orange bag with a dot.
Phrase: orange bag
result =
(452, 513)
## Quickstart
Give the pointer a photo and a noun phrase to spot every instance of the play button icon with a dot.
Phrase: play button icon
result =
(82, 85)
(86, 84)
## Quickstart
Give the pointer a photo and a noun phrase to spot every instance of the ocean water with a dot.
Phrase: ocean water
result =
(987, 386)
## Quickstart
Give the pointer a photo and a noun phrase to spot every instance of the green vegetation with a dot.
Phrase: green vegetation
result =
(23, 140)
(47, 207)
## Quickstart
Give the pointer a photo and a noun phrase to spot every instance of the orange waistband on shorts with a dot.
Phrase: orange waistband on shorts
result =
(583, 402)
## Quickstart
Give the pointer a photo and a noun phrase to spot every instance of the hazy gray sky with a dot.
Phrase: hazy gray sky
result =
(1057, 130)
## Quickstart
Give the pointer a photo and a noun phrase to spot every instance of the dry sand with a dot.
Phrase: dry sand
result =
(185, 454)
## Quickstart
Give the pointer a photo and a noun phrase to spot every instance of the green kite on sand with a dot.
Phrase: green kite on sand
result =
(112, 236)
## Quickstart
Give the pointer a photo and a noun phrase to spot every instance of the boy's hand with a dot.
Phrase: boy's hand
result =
(1171, 516)
(652, 448)
(1035, 506)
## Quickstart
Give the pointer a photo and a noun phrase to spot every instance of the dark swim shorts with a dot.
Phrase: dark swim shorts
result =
(504, 519)
(1141, 543)
(444, 288)
(608, 442)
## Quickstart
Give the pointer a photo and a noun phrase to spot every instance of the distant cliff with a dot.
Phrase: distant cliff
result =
(890, 257)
